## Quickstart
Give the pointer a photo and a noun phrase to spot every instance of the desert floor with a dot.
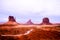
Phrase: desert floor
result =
(30, 32)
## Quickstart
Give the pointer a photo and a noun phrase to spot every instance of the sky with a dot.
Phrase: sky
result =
(36, 10)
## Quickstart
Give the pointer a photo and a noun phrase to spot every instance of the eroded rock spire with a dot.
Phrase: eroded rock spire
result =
(29, 22)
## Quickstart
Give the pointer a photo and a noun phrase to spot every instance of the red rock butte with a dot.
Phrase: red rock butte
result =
(11, 21)
(11, 18)
(46, 21)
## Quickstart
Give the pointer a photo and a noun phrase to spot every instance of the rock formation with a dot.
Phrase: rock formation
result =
(29, 22)
(46, 21)
(11, 18)
(11, 22)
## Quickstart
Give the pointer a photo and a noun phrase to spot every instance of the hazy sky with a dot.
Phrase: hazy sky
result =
(23, 10)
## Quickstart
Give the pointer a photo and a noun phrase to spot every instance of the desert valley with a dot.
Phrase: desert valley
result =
(11, 30)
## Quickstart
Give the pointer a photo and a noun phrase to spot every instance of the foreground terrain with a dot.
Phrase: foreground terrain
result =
(30, 32)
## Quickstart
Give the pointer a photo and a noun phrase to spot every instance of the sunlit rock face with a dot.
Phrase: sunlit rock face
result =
(11, 18)
(46, 21)
(29, 22)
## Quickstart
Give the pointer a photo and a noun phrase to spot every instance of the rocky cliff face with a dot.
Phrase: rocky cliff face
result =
(46, 21)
